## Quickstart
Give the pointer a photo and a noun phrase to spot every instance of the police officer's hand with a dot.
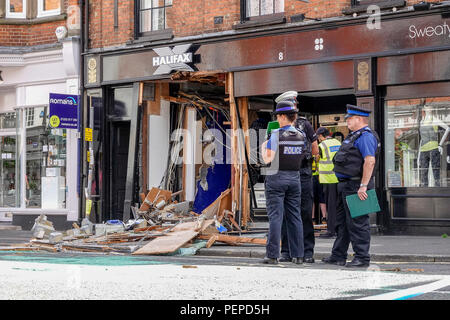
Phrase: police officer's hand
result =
(362, 193)
(440, 149)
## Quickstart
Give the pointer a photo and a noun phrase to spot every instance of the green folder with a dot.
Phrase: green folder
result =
(360, 207)
(272, 126)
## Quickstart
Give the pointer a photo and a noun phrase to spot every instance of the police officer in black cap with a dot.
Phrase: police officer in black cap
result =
(283, 153)
(354, 166)
(311, 149)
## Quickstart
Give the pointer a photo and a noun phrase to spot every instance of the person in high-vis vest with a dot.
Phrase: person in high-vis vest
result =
(328, 147)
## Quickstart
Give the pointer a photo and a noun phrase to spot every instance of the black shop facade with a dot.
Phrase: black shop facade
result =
(400, 71)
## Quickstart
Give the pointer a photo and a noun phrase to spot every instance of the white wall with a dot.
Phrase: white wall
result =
(39, 94)
(158, 144)
(7, 100)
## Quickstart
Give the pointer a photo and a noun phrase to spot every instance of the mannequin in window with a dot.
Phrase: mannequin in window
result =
(430, 147)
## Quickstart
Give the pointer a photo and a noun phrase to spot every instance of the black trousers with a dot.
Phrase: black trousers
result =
(351, 230)
(283, 196)
(424, 162)
(306, 214)
(331, 196)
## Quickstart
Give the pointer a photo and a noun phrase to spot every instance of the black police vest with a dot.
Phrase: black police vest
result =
(348, 160)
(290, 149)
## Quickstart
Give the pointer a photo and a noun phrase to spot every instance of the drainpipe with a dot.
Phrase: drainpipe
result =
(81, 4)
(243, 11)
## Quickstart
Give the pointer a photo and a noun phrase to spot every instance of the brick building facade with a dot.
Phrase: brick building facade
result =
(111, 26)
(39, 55)
(144, 60)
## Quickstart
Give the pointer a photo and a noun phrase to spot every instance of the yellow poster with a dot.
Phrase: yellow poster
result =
(88, 134)
(88, 207)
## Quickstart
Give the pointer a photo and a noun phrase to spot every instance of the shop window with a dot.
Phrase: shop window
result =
(7, 121)
(8, 161)
(257, 8)
(16, 8)
(416, 142)
(153, 15)
(122, 102)
(44, 160)
(48, 8)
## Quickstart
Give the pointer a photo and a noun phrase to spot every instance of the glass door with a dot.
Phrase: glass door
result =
(8, 170)
(9, 182)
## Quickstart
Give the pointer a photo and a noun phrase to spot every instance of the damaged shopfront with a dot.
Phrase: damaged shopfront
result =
(139, 99)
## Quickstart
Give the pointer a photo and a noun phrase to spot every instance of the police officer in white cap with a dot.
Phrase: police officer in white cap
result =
(311, 149)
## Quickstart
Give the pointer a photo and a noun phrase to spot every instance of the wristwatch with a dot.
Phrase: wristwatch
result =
(363, 185)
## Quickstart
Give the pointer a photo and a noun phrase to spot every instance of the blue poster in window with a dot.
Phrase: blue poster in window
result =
(63, 112)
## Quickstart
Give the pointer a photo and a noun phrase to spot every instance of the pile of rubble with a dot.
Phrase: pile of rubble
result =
(160, 226)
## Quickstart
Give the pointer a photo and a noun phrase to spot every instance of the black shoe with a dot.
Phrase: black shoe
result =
(356, 263)
(270, 260)
(285, 259)
(323, 221)
(308, 260)
(330, 260)
(297, 260)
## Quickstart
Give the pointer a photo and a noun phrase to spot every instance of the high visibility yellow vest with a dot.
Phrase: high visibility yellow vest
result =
(329, 147)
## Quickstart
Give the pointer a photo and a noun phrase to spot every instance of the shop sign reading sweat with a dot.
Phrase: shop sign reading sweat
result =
(63, 111)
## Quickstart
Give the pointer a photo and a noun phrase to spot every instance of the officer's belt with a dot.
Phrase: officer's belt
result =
(349, 179)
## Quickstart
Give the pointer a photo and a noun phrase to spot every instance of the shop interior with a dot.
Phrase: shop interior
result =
(325, 109)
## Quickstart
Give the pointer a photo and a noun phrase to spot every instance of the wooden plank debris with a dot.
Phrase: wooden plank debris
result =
(234, 239)
(155, 197)
(174, 240)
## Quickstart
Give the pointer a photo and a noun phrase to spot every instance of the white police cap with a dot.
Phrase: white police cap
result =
(286, 96)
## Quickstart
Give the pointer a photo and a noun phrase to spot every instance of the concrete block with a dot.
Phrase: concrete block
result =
(55, 237)
(88, 224)
(86, 230)
(42, 227)
(101, 229)
(39, 234)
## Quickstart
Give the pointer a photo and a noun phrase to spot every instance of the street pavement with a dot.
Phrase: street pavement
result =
(383, 248)
(402, 267)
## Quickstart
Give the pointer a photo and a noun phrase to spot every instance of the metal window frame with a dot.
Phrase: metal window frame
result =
(15, 15)
(41, 12)
(139, 10)
(259, 13)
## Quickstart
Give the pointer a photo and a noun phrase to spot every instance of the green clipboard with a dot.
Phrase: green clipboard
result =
(272, 126)
(360, 207)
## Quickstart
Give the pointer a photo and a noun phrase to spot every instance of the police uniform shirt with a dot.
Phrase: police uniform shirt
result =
(367, 145)
(309, 131)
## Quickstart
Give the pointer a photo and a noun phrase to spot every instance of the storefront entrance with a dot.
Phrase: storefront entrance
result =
(325, 109)
(120, 135)
(8, 164)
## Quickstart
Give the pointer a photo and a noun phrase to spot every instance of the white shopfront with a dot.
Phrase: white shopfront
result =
(38, 164)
